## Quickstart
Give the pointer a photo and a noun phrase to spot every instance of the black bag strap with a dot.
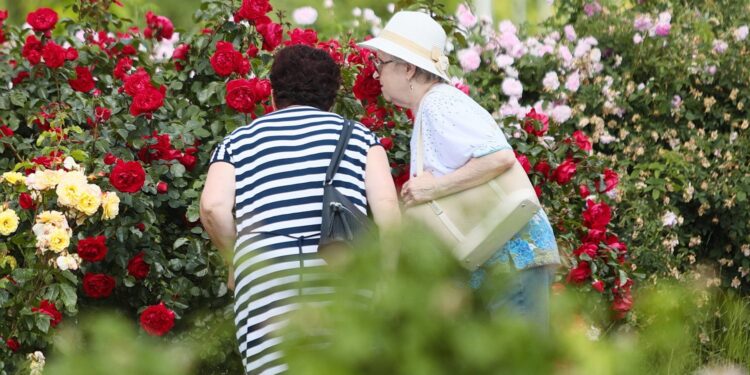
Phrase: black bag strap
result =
(338, 154)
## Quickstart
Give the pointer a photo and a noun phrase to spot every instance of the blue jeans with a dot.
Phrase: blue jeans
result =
(528, 295)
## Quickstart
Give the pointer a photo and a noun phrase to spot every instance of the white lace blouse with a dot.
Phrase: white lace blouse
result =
(455, 129)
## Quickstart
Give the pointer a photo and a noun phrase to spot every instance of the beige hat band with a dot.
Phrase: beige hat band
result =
(435, 55)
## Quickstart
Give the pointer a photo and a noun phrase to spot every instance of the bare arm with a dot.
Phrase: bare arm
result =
(381, 192)
(217, 202)
(477, 171)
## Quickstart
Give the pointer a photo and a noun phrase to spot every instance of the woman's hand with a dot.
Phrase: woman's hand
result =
(423, 188)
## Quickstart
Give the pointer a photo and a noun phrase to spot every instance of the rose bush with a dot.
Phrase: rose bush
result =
(103, 154)
(669, 108)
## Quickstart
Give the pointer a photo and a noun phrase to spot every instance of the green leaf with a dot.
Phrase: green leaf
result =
(69, 296)
(179, 242)
(741, 196)
(42, 322)
(177, 170)
(18, 98)
(79, 155)
(193, 213)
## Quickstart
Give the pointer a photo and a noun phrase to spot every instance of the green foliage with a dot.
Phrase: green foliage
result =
(407, 309)
(683, 135)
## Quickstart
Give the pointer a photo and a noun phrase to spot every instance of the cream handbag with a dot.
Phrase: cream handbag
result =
(477, 222)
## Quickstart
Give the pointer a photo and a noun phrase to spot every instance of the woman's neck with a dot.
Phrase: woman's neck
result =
(420, 90)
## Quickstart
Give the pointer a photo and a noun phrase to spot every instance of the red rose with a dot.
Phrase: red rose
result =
(536, 123)
(387, 143)
(609, 181)
(253, 10)
(400, 175)
(141, 227)
(614, 243)
(241, 95)
(598, 285)
(262, 89)
(580, 273)
(42, 19)
(180, 53)
(564, 172)
(137, 82)
(334, 50)
(147, 101)
(71, 54)
(54, 55)
(538, 191)
(307, 37)
(13, 344)
(595, 235)
(48, 308)
(20, 77)
(137, 266)
(623, 302)
(227, 60)
(98, 285)
(102, 114)
(589, 249)
(84, 81)
(110, 159)
(597, 215)
(162, 187)
(544, 168)
(127, 177)
(272, 34)
(157, 320)
(582, 140)
(524, 161)
(32, 50)
(583, 191)
(188, 161)
(159, 27)
(122, 68)
(26, 202)
(366, 87)
(5, 131)
(252, 51)
(93, 249)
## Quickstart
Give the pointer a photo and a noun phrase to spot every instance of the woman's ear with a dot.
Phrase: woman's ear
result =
(411, 71)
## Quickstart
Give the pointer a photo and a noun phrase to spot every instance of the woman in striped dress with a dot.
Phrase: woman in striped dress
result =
(271, 173)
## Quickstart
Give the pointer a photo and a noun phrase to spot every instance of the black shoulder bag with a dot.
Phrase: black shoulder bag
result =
(343, 222)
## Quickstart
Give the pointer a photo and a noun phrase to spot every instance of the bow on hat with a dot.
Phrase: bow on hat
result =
(441, 61)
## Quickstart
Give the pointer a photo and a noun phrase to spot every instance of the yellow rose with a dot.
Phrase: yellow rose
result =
(54, 218)
(14, 178)
(75, 177)
(59, 239)
(8, 222)
(44, 180)
(68, 193)
(110, 205)
(8, 261)
(89, 200)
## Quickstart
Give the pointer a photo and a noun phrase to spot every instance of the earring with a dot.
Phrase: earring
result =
(411, 86)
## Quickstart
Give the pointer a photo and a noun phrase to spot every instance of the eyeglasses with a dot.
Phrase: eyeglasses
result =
(379, 63)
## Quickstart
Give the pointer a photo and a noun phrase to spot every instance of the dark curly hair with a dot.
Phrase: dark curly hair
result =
(303, 75)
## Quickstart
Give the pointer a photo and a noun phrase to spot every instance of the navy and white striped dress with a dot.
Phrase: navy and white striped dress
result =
(280, 161)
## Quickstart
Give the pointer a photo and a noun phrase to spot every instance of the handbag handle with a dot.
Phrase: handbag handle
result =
(418, 128)
(338, 153)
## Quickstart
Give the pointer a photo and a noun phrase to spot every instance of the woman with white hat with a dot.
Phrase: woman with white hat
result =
(462, 147)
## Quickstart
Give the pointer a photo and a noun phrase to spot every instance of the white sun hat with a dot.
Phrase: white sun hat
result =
(415, 38)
